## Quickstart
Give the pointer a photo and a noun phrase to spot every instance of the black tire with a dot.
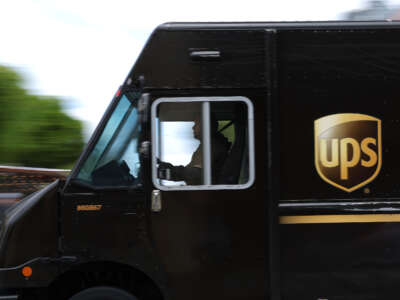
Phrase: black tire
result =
(103, 293)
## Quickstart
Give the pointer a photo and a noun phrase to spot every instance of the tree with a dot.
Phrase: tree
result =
(34, 131)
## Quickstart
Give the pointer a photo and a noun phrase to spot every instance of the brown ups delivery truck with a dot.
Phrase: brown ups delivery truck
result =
(237, 161)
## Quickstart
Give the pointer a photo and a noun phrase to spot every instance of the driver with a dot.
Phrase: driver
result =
(192, 172)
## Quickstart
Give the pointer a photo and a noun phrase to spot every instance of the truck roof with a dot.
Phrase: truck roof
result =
(278, 25)
(176, 56)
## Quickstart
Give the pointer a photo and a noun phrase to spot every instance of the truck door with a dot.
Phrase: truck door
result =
(103, 204)
(208, 208)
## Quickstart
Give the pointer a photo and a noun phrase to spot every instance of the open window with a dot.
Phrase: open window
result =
(202, 143)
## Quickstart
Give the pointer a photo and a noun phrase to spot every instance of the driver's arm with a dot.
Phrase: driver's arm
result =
(191, 175)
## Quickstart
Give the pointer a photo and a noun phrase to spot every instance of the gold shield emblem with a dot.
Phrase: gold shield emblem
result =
(348, 149)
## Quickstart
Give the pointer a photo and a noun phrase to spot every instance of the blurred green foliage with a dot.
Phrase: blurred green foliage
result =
(34, 131)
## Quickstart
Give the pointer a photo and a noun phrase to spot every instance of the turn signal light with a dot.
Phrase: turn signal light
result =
(27, 271)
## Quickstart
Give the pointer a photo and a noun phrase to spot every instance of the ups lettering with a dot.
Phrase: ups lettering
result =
(347, 153)
(348, 149)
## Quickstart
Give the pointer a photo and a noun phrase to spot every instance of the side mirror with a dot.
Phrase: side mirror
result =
(143, 107)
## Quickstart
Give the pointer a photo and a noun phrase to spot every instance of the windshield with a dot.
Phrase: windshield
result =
(114, 160)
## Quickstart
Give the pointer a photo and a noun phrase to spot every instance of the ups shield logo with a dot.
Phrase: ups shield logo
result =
(348, 149)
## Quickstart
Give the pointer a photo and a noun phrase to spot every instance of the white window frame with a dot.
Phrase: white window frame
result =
(206, 140)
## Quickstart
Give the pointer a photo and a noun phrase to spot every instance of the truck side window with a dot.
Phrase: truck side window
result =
(202, 143)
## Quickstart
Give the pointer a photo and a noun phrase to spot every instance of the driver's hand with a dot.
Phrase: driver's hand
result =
(164, 165)
(170, 172)
(164, 169)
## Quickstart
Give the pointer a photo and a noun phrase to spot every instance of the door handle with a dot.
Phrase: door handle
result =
(156, 204)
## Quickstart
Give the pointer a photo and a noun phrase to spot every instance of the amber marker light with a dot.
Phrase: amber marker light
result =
(27, 272)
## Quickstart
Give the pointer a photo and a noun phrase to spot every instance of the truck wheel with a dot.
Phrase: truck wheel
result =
(103, 293)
